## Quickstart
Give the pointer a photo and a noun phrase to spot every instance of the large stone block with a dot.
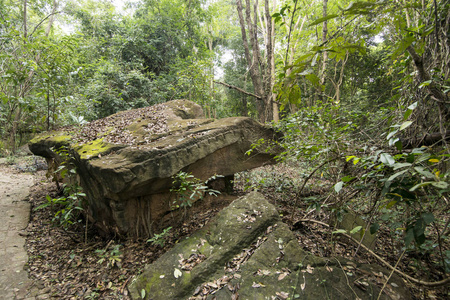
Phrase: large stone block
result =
(125, 162)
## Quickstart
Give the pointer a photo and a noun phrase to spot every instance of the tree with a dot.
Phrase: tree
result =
(22, 52)
(261, 69)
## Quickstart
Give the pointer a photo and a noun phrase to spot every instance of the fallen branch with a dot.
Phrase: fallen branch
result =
(412, 279)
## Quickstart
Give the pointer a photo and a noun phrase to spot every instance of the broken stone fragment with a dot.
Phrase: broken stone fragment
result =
(264, 261)
(125, 162)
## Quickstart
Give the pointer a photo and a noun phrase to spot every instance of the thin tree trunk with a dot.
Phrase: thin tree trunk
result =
(52, 18)
(25, 29)
(325, 53)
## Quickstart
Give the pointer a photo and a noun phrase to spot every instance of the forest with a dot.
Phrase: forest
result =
(360, 91)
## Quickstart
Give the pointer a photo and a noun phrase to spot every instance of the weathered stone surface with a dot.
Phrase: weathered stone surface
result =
(350, 221)
(125, 161)
(247, 250)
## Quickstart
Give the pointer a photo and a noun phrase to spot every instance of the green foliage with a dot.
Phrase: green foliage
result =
(113, 257)
(189, 189)
(67, 209)
(160, 239)
(317, 131)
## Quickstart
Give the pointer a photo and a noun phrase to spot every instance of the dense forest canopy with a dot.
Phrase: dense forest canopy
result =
(359, 89)
(68, 62)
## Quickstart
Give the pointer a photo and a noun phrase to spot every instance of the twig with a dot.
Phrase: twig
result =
(290, 31)
(346, 277)
(390, 275)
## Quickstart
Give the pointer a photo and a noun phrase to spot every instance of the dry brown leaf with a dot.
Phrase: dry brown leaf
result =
(282, 295)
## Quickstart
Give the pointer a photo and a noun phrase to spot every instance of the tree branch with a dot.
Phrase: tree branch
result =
(43, 20)
(238, 89)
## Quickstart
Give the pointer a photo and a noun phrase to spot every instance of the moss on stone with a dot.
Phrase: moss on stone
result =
(93, 149)
(54, 136)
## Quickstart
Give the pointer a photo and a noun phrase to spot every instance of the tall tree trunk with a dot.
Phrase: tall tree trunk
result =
(325, 53)
(260, 71)
(25, 29)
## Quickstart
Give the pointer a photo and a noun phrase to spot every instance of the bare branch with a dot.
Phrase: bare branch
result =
(238, 89)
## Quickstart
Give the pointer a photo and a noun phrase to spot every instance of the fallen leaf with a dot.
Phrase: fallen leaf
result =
(282, 295)
(177, 273)
(303, 285)
(282, 276)
(263, 272)
(257, 285)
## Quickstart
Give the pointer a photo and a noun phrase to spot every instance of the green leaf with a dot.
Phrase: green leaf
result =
(143, 293)
(390, 204)
(323, 19)
(338, 186)
(402, 45)
(356, 229)
(419, 231)
(397, 174)
(413, 106)
(339, 231)
(401, 165)
(391, 134)
(405, 125)
(348, 178)
(425, 83)
(423, 157)
(313, 79)
(374, 228)
(409, 236)
(348, 158)
(420, 185)
(428, 218)
(387, 159)
(424, 172)
(440, 184)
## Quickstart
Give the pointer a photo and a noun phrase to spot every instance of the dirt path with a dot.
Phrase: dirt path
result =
(14, 218)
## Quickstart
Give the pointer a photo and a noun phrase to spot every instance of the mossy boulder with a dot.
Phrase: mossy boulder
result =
(246, 252)
(125, 162)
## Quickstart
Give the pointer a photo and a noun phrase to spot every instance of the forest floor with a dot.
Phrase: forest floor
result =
(68, 266)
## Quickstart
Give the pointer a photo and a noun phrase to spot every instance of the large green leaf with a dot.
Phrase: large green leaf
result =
(387, 159)
(405, 125)
(397, 174)
(338, 186)
(323, 19)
